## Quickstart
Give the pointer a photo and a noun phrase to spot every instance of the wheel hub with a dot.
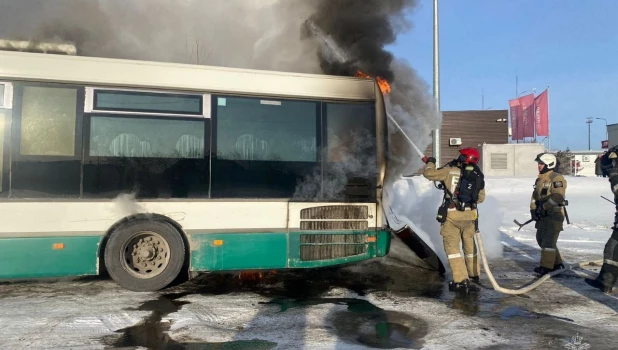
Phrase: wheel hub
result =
(146, 254)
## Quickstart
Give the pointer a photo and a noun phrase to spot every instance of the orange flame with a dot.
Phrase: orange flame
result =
(382, 83)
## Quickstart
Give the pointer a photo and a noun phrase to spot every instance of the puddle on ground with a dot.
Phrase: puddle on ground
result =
(366, 323)
(152, 333)
(516, 311)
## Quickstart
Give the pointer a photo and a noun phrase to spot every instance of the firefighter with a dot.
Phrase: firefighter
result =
(609, 271)
(464, 187)
(547, 209)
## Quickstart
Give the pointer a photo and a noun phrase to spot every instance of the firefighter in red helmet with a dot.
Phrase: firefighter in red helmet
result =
(463, 184)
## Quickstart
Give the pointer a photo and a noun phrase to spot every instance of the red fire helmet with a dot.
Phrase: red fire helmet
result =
(471, 155)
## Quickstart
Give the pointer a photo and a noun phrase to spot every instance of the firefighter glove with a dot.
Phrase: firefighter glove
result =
(537, 213)
(429, 160)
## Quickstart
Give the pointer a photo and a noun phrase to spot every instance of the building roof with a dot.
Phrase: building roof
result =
(594, 151)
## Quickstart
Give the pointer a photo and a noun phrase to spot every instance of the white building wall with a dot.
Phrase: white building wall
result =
(584, 161)
(510, 159)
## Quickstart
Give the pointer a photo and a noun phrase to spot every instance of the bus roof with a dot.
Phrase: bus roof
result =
(94, 71)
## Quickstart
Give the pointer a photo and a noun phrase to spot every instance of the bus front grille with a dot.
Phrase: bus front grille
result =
(331, 246)
(333, 239)
(336, 212)
(334, 225)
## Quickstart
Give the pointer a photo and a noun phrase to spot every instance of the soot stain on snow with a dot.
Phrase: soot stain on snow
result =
(372, 277)
(363, 322)
(152, 331)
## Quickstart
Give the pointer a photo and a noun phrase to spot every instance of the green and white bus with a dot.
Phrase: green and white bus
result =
(148, 170)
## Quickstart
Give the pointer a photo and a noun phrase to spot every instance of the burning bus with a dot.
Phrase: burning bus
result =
(148, 170)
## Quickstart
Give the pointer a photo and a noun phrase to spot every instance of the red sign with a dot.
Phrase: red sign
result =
(605, 144)
(542, 114)
(527, 107)
(516, 123)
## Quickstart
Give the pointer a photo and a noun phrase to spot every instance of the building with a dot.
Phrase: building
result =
(582, 163)
(513, 159)
(612, 135)
(470, 129)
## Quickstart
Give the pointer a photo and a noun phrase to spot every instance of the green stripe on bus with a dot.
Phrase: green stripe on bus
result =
(238, 251)
(247, 251)
(48, 257)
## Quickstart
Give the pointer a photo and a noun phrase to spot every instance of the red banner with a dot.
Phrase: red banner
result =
(527, 108)
(516, 122)
(542, 114)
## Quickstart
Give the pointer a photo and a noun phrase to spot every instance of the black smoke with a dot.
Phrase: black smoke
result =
(258, 34)
(363, 29)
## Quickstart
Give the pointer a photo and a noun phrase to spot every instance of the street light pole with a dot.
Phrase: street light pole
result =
(436, 80)
(606, 132)
(589, 121)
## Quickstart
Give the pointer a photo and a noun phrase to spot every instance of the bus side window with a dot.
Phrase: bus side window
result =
(47, 140)
(5, 117)
(350, 151)
(153, 157)
(263, 147)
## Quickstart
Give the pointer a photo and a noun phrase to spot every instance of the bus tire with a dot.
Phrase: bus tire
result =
(144, 255)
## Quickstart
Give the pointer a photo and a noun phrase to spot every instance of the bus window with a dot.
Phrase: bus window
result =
(264, 147)
(47, 156)
(351, 150)
(48, 121)
(137, 101)
(5, 116)
(152, 157)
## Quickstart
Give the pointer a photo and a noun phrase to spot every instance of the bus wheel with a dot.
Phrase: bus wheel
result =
(144, 255)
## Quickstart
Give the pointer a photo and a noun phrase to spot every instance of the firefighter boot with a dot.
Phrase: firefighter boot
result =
(605, 280)
(542, 270)
(462, 287)
(598, 285)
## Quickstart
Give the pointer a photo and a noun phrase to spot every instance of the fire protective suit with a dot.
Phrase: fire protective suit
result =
(547, 208)
(460, 225)
(609, 271)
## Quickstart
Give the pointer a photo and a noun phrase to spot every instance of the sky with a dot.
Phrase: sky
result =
(569, 45)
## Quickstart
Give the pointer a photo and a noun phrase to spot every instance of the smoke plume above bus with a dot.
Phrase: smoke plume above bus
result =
(260, 34)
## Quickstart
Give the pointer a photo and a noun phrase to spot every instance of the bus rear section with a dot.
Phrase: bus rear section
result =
(106, 165)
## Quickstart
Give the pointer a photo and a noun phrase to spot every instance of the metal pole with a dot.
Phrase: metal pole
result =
(436, 81)
(548, 123)
(589, 121)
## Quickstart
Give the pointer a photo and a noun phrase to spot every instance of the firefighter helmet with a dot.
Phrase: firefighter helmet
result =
(469, 155)
(548, 159)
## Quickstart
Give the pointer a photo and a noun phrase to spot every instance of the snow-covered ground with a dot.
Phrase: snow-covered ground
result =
(509, 199)
(383, 303)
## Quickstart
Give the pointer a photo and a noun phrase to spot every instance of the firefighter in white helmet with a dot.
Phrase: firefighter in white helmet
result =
(547, 209)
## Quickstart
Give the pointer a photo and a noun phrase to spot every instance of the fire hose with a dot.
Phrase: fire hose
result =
(479, 241)
(530, 287)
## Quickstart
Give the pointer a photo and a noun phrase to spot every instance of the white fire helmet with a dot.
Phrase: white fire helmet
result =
(546, 158)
